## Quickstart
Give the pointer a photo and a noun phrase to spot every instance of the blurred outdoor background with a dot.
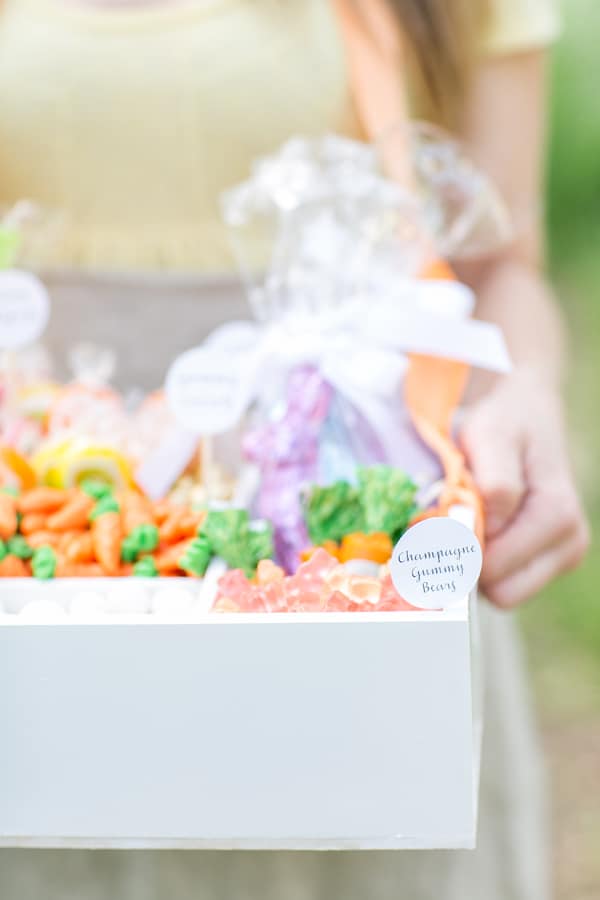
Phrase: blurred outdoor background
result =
(562, 626)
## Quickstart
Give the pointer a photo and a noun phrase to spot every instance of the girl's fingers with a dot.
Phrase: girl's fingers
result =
(495, 457)
(532, 577)
(514, 442)
(547, 517)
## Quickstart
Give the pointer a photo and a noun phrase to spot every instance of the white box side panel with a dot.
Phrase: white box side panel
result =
(276, 735)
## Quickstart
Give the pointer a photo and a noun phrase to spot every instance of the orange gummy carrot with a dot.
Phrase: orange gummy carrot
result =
(169, 530)
(135, 510)
(8, 516)
(43, 499)
(167, 559)
(80, 549)
(66, 538)
(162, 509)
(67, 569)
(191, 522)
(74, 514)
(182, 523)
(13, 567)
(106, 535)
(33, 522)
(42, 538)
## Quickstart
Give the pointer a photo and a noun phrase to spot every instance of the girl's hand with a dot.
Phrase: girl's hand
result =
(514, 440)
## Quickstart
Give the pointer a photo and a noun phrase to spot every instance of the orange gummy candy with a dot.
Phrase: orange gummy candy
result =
(77, 546)
(68, 569)
(44, 538)
(181, 523)
(170, 529)
(31, 522)
(106, 536)
(167, 560)
(8, 516)
(13, 567)
(136, 510)
(376, 547)
(73, 515)
(162, 509)
(43, 499)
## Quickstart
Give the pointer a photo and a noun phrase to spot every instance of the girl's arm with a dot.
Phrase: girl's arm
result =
(514, 433)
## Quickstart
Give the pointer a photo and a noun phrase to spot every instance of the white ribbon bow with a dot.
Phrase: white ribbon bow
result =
(359, 348)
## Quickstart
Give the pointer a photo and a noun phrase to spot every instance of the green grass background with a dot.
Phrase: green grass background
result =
(562, 625)
(565, 620)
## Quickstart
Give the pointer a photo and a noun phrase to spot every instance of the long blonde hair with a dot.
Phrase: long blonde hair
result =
(441, 37)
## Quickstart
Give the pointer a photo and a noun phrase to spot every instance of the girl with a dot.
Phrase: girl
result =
(131, 118)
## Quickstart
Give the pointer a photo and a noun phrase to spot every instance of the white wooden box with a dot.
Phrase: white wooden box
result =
(330, 731)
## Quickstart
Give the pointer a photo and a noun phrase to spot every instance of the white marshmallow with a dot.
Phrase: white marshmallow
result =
(87, 605)
(128, 597)
(43, 611)
(172, 601)
(364, 567)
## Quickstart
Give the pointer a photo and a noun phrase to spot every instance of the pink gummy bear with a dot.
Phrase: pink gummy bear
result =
(233, 583)
(320, 564)
(267, 572)
(235, 587)
(320, 584)
(363, 591)
(391, 599)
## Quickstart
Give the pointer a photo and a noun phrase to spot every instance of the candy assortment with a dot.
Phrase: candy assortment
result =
(320, 584)
(70, 508)
(342, 420)
(61, 435)
(92, 531)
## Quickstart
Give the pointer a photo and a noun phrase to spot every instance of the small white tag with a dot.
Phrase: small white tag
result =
(24, 309)
(160, 470)
(436, 563)
(208, 389)
(238, 335)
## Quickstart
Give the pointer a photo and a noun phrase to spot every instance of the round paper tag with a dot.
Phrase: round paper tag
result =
(236, 336)
(436, 563)
(24, 309)
(208, 389)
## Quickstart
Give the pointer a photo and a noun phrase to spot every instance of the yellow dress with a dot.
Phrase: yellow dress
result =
(131, 122)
